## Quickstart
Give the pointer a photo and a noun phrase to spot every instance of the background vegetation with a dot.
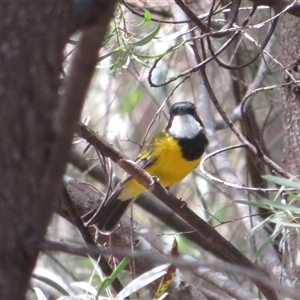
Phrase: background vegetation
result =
(238, 62)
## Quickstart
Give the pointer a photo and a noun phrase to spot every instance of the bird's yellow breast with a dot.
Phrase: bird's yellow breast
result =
(168, 165)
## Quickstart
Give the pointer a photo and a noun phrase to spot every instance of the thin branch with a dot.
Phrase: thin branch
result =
(245, 102)
(161, 107)
(234, 10)
(191, 15)
(257, 82)
(95, 170)
(229, 184)
(253, 88)
(278, 14)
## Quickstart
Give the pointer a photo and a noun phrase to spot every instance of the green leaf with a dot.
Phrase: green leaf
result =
(281, 206)
(262, 248)
(147, 39)
(100, 58)
(267, 242)
(251, 203)
(283, 240)
(142, 281)
(108, 281)
(51, 283)
(270, 205)
(282, 181)
(260, 225)
(99, 272)
(287, 224)
(293, 196)
(147, 18)
(108, 37)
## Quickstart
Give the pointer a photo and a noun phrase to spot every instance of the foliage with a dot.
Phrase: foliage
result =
(283, 215)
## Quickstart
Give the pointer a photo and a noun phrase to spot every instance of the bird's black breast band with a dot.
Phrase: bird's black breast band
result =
(193, 148)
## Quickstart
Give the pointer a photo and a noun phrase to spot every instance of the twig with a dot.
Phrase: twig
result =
(232, 185)
(191, 15)
(161, 107)
(245, 102)
(257, 82)
(191, 70)
(234, 10)
(95, 170)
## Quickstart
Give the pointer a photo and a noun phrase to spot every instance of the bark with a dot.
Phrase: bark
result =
(33, 150)
(291, 112)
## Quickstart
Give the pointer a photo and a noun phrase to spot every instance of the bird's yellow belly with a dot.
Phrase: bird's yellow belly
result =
(170, 167)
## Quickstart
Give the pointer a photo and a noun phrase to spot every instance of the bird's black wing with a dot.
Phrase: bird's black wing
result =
(145, 158)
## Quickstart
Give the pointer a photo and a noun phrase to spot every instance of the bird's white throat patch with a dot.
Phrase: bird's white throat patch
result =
(185, 126)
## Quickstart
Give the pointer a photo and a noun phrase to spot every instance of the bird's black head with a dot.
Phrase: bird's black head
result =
(183, 108)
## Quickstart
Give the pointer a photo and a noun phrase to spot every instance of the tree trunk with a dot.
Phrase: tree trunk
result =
(291, 113)
(33, 35)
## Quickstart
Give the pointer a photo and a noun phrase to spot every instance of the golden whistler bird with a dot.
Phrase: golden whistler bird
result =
(170, 156)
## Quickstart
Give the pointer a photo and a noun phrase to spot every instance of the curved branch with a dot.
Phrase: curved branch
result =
(234, 10)
(232, 185)
(261, 48)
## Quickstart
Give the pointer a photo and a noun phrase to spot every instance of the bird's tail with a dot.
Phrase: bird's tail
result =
(107, 217)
